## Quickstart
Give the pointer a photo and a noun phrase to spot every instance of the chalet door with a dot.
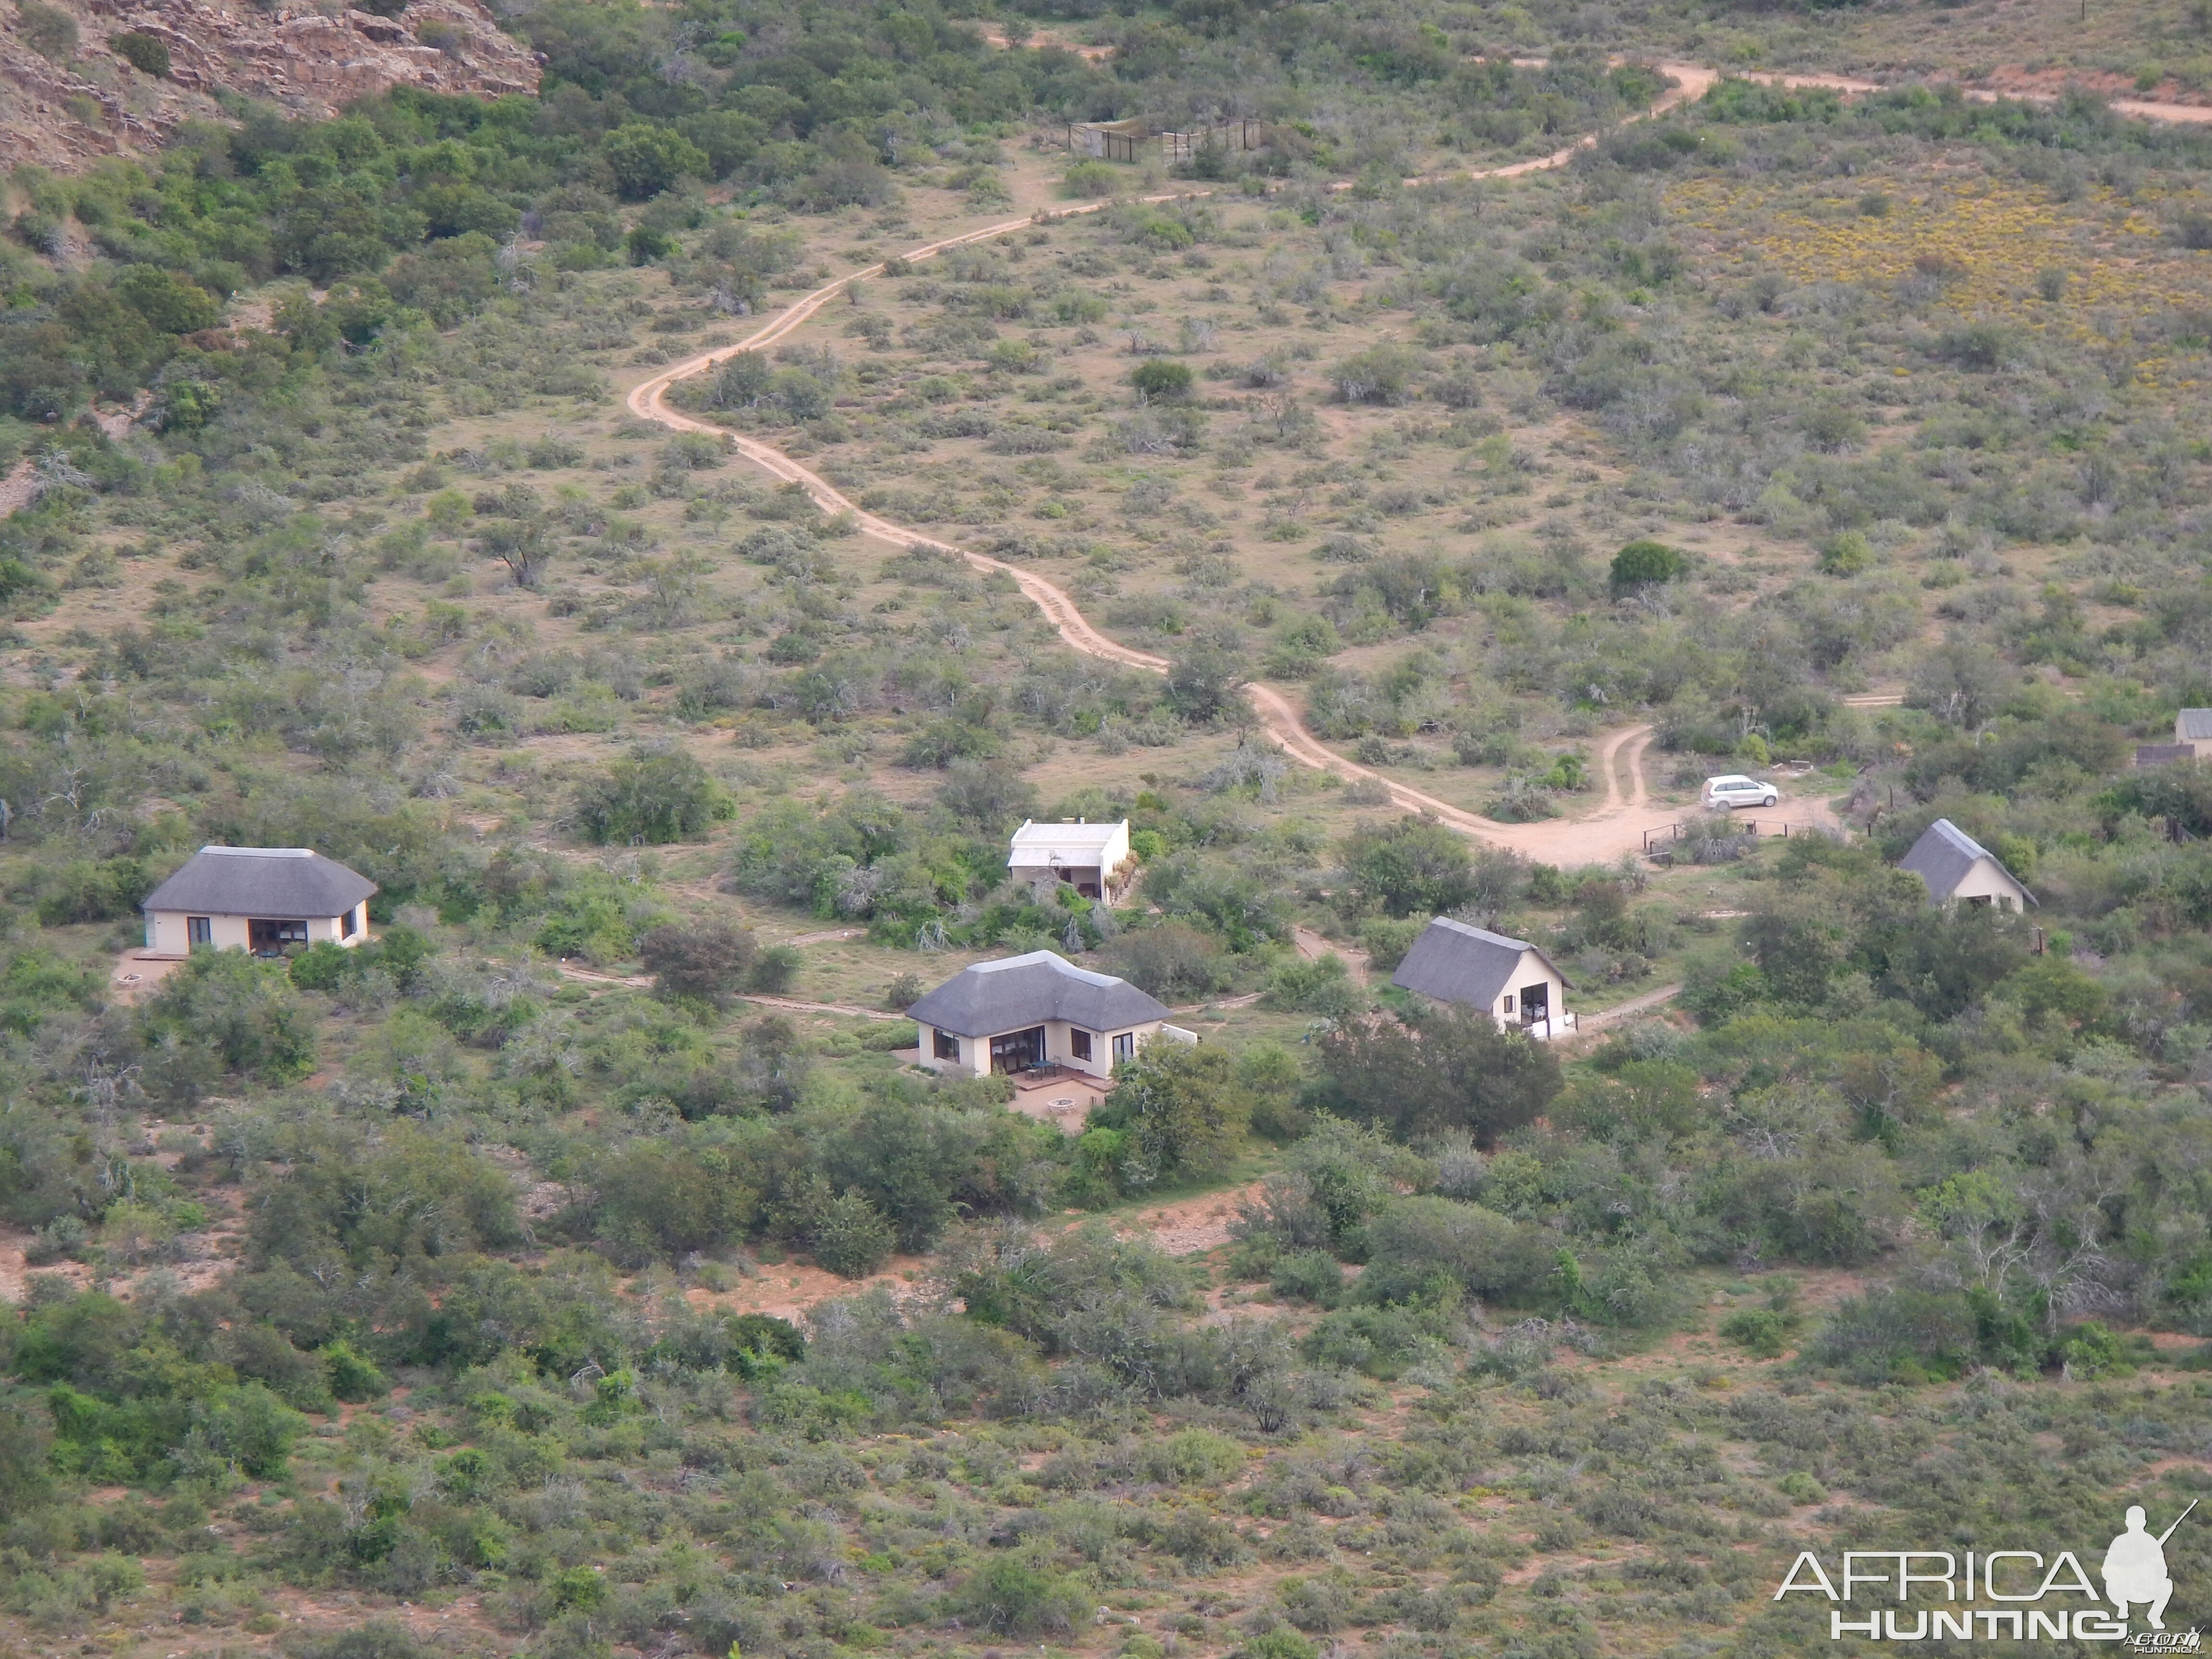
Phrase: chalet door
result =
(1018, 1051)
(1535, 1003)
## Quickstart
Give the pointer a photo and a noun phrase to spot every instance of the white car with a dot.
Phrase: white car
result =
(1737, 790)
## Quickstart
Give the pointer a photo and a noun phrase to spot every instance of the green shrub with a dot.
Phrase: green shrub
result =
(1647, 564)
(1308, 1276)
(1412, 866)
(354, 1379)
(646, 159)
(1847, 554)
(1196, 1457)
(850, 1237)
(775, 970)
(321, 967)
(645, 244)
(1799, 1487)
(1443, 1069)
(1012, 1598)
(1896, 1335)
(1322, 987)
(1091, 179)
(1763, 1332)
(1482, 1253)
(47, 30)
(1186, 1108)
(578, 1589)
(707, 961)
(221, 1014)
(1381, 374)
(1160, 381)
(147, 53)
(655, 797)
(84, 890)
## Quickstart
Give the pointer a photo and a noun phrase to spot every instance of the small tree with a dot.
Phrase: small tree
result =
(850, 1237)
(1205, 683)
(47, 30)
(1161, 382)
(1091, 179)
(1647, 564)
(1011, 1597)
(1381, 374)
(646, 159)
(520, 545)
(147, 53)
(1186, 1108)
(1414, 865)
(707, 962)
(655, 797)
(1448, 1068)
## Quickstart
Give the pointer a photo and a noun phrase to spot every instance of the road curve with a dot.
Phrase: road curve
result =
(1616, 826)
(648, 401)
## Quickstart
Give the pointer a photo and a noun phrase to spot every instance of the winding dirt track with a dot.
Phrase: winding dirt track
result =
(1616, 826)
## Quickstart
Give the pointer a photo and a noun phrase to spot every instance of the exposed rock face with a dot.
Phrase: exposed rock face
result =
(308, 60)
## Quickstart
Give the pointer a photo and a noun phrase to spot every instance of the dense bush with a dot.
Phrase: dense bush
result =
(654, 798)
(1443, 1069)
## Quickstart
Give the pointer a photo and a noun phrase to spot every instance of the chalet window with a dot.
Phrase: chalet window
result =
(1509, 1002)
(1125, 1046)
(199, 930)
(1078, 1044)
(349, 923)
(944, 1045)
(268, 937)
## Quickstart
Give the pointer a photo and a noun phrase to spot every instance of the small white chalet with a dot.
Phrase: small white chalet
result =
(2192, 730)
(266, 900)
(1509, 979)
(1094, 858)
(1959, 870)
(1027, 1012)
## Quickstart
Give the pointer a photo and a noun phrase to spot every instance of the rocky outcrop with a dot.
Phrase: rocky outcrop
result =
(308, 60)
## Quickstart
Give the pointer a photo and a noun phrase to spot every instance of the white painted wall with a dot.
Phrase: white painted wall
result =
(1035, 863)
(168, 931)
(1988, 879)
(976, 1052)
(1531, 969)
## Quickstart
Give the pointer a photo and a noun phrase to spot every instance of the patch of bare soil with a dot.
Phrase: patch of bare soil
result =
(137, 974)
(1064, 1103)
(789, 1290)
(1189, 1226)
(2017, 80)
(1313, 947)
(1040, 38)
(14, 1270)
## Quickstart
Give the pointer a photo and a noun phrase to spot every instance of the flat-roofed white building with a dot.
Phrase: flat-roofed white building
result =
(1094, 858)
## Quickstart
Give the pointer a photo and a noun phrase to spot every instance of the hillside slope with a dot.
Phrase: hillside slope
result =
(68, 97)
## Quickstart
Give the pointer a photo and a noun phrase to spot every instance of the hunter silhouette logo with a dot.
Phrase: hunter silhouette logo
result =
(2135, 1567)
(2029, 1589)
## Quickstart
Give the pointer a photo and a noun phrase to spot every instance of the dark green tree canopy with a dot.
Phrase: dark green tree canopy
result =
(1441, 1070)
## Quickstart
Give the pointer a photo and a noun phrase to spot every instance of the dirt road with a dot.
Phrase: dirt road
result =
(1627, 810)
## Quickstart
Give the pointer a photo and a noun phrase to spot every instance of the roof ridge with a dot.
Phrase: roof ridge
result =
(1473, 931)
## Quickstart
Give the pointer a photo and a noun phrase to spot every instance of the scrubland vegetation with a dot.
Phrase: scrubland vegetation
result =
(579, 1268)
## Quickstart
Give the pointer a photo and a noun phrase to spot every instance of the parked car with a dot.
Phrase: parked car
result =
(1737, 790)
